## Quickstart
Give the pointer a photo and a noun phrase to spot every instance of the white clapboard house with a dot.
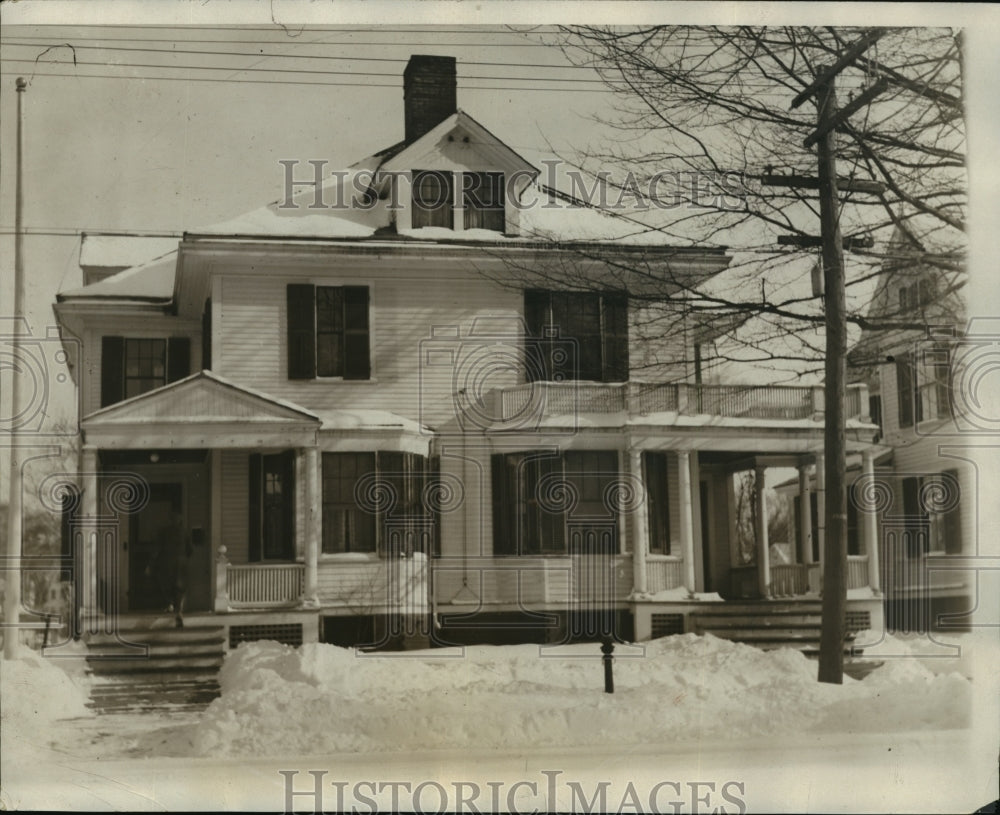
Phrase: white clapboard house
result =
(376, 438)
(923, 381)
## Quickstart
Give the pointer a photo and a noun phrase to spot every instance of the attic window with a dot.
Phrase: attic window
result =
(433, 197)
(482, 197)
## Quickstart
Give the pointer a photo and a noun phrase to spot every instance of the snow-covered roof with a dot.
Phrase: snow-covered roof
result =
(358, 419)
(149, 281)
(122, 251)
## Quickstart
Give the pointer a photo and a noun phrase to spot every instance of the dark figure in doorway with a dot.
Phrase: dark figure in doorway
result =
(171, 563)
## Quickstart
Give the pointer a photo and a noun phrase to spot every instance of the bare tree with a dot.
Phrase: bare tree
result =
(703, 126)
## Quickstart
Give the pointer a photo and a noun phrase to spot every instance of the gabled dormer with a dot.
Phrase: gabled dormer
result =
(450, 172)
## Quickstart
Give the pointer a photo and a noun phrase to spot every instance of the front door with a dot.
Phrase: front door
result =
(146, 592)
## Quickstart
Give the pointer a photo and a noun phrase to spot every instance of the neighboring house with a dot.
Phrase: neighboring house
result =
(928, 490)
(373, 438)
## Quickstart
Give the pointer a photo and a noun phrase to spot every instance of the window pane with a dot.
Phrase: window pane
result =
(432, 203)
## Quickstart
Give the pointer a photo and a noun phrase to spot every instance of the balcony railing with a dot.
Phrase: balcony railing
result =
(780, 402)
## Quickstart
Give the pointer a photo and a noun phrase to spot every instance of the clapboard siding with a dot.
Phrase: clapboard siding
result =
(364, 586)
(253, 342)
(234, 514)
(532, 580)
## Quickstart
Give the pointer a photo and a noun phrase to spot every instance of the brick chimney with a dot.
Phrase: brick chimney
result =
(428, 93)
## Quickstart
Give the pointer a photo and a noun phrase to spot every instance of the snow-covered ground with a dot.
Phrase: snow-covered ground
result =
(741, 725)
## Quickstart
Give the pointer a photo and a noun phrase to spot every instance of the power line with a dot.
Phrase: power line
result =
(240, 69)
(395, 85)
(286, 41)
(286, 56)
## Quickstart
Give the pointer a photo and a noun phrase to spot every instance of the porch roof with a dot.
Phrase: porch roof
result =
(203, 410)
(206, 410)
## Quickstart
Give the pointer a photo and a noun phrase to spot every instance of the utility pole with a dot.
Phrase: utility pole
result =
(834, 555)
(831, 646)
(12, 560)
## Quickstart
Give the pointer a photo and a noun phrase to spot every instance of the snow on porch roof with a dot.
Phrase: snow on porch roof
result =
(122, 251)
(150, 281)
(348, 419)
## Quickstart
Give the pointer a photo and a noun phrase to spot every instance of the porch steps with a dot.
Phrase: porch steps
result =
(176, 670)
(768, 625)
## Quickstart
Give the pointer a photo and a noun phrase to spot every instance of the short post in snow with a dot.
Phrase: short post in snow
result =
(608, 648)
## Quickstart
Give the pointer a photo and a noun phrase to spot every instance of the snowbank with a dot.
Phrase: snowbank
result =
(319, 698)
(37, 692)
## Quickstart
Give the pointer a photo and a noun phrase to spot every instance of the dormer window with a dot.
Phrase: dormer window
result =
(483, 201)
(433, 197)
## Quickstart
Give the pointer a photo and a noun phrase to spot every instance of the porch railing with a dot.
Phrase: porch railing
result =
(792, 579)
(664, 574)
(733, 401)
(857, 571)
(265, 586)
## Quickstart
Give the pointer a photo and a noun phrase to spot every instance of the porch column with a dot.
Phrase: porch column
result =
(88, 528)
(312, 523)
(805, 516)
(821, 507)
(871, 525)
(687, 520)
(640, 527)
(763, 550)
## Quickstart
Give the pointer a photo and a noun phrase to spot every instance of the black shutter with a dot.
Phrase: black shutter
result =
(904, 391)
(952, 518)
(915, 530)
(357, 356)
(615, 338)
(301, 319)
(178, 358)
(503, 508)
(288, 496)
(254, 495)
(536, 358)
(112, 370)
(206, 336)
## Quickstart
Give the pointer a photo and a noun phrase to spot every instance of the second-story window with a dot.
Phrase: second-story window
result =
(328, 332)
(131, 366)
(483, 200)
(576, 335)
(433, 199)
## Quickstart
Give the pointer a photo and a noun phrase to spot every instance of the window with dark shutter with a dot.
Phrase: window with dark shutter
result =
(576, 336)
(853, 530)
(433, 199)
(271, 522)
(178, 358)
(254, 536)
(357, 358)
(527, 490)
(328, 333)
(112, 370)
(301, 330)
(904, 390)
(206, 336)
(504, 541)
(916, 530)
(615, 330)
(657, 500)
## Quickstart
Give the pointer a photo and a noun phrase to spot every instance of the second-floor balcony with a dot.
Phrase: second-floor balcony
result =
(768, 402)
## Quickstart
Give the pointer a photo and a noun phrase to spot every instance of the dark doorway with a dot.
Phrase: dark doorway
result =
(145, 592)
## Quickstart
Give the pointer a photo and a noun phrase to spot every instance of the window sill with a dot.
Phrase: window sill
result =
(338, 379)
(665, 558)
(349, 557)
